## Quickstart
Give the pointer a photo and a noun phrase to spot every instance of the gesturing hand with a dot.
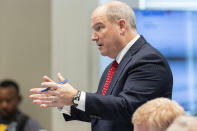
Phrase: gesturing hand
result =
(58, 95)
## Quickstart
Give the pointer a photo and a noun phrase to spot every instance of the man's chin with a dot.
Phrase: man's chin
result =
(103, 53)
(5, 115)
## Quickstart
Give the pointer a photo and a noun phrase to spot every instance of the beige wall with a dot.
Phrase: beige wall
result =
(25, 49)
(73, 53)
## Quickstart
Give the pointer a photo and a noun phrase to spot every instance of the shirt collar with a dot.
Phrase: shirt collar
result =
(126, 48)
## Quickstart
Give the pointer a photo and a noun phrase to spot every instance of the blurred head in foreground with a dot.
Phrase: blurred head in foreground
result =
(156, 115)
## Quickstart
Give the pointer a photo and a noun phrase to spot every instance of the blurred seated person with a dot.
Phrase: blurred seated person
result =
(156, 115)
(11, 119)
(184, 123)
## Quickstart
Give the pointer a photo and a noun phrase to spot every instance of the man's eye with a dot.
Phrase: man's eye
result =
(98, 28)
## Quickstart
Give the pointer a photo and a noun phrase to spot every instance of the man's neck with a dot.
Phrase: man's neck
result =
(11, 116)
(130, 35)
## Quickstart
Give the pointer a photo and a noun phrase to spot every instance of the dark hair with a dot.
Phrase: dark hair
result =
(9, 83)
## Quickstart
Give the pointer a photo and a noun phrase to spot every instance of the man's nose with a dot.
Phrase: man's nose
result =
(94, 37)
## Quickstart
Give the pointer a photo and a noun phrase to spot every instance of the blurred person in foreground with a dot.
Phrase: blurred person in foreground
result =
(184, 123)
(138, 73)
(11, 118)
(156, 115)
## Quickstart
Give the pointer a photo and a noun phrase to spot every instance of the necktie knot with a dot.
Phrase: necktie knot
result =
(115, 64)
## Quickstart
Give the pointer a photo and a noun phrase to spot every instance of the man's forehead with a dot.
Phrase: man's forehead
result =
(8, 89)
(99, 11)
(98, 20)
(98, 16)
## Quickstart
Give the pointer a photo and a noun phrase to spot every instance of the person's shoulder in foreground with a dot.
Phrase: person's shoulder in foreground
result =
(156, 115)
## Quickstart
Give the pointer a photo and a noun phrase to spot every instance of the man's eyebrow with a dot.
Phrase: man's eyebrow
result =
(99, 23)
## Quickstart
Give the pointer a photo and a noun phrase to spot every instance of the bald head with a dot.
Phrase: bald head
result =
(113, 27)
(117, 10)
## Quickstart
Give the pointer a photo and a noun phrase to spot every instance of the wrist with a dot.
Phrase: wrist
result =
(76, 99)
(74, 93)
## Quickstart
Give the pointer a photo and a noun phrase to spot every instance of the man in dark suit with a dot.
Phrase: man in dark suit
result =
(138, 73)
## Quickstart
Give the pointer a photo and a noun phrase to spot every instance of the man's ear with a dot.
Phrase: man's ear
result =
(123, 26)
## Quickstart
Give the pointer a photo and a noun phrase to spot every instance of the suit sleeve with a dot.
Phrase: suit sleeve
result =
(77, 114)
(144, 80)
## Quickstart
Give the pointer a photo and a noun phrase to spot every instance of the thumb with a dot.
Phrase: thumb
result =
(47, 79)
(60, 77)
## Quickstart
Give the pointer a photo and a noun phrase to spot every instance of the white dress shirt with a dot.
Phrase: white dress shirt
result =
(81, 105)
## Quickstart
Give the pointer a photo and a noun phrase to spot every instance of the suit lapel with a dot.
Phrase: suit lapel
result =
(118, 72)
(128, 56)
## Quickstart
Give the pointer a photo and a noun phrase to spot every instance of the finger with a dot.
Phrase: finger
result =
(60, 77)
(39, 96)
(41, 102)
(47, 79)
(43, 98)
(45, 104)
(52, 85)
(48, 105)
(36, 90)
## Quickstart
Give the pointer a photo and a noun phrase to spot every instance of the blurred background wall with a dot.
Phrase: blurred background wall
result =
(25, 49)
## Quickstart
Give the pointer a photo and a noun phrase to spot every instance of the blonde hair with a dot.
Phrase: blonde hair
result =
(184, 123)
(157, 114)
(118, 10)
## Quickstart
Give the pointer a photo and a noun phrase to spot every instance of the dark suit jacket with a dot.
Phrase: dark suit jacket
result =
(143, 74)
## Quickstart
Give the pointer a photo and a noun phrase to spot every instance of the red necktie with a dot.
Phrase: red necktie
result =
(109, 77)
